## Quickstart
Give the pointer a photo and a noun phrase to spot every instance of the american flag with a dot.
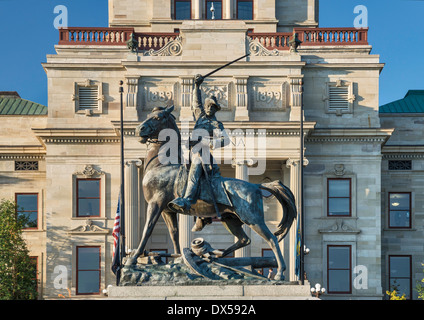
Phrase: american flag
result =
(117, 227)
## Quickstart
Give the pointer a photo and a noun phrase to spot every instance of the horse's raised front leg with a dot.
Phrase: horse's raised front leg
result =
(152, 216)
(172, 224)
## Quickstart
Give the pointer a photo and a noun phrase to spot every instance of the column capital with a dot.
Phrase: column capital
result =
(295, 162)
(136, 162)
(246, 162)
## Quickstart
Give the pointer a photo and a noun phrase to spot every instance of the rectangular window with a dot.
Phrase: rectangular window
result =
(245, 9)
(400, 275)
(182, 9)
(27, 206)
(339, 197)
(88, 270)
(399, 210)
(34, 264)
(217, 9)
(88, 197)
(339, 269)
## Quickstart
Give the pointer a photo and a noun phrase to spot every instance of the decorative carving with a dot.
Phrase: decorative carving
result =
(269, 96)
(157, 94)
(218, 89)
(89, 227)
(257, 49)
(339, 227)
(172, 48)
(89, 171)
(132, 94)
(339, 169)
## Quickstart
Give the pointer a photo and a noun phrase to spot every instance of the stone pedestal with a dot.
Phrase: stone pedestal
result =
(289, 291)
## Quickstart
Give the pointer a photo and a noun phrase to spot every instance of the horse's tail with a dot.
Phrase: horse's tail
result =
(287, 201)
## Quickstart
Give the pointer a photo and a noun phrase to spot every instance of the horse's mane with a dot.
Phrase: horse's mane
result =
(172, 124)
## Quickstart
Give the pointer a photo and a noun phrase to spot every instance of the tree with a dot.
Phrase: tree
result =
(17, 270)
(420, 288)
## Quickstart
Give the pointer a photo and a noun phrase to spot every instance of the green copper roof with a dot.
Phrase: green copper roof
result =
(15, 105)
(412, 103)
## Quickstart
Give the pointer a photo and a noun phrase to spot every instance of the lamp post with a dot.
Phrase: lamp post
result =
(301, 205)
(317, 290)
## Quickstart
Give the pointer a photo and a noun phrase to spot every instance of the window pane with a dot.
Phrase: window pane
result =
(88, 282)
(27, 202)
(399, 201)
(32, 219)
(338, 257)
(339, 188)
(402, 286)
(88, 258)
(399, 219)
(245, 10)
(339, 206)
(218, 9)
(88, 188)
(400, 267)
(182, 10)
(88, 207)
(339, 281)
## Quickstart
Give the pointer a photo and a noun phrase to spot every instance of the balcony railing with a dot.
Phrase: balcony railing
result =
(313, 37)
(113, 36)
(271, 41)
(95, 36)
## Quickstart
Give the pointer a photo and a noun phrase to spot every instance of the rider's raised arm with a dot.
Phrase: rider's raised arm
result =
(197, 106)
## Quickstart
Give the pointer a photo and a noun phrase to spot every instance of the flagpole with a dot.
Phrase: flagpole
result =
(301, 204)
(122, 193)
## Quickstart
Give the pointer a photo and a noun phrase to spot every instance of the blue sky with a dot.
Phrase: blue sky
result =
(27, 35)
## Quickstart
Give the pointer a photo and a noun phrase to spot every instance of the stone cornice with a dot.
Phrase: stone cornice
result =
(286, 128)
(76, 136)
(403, 152)
(22, 152)
(350, 135)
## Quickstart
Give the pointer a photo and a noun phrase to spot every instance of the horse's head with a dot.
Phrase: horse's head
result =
(157, 120)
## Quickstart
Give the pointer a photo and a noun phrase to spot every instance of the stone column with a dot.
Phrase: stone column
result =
(197, 5)
(185, 223)
(132, 209)
(295, 187)
(293, 165)
(228, 9)
(241, 167)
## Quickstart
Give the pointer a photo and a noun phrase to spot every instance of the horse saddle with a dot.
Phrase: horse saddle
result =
(205, 187)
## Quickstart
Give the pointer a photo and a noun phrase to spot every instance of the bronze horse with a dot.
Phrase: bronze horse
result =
(162, 183)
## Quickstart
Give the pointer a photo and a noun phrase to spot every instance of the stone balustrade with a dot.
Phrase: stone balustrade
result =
(156, 41)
